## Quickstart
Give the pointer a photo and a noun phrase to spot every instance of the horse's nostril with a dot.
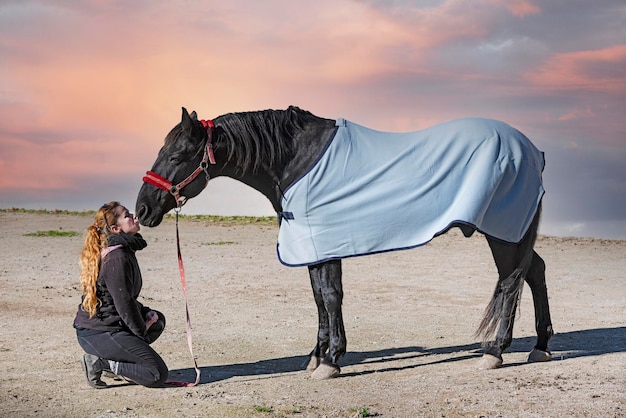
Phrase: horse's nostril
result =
(142, 212)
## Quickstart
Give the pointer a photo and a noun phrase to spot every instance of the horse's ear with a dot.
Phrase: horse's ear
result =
(187, 121)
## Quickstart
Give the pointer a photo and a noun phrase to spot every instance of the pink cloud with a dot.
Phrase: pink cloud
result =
(522, 8)
(598, 70)
(577, 114)
(518, 8)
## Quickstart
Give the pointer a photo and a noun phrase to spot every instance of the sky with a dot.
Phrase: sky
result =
(89, 89)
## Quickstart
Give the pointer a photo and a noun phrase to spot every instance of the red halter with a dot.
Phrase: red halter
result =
(164, 184)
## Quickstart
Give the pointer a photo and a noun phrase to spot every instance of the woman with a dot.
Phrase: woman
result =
(112, 326)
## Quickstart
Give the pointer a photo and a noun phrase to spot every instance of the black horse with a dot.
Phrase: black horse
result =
(271, 151)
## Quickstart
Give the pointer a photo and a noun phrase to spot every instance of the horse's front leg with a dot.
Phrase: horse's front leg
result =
(323, 329)
(331, 336)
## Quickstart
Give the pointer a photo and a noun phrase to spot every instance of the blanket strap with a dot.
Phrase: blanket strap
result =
(285, 215)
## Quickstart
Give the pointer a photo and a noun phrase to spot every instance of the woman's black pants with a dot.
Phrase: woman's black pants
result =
(137, 361)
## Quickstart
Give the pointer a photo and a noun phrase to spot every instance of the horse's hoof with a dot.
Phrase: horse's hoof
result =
(489, 362)
(326, 371)
(313, 362)
(537, 355)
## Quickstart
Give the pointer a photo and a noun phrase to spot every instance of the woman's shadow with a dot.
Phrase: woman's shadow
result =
(564, 346)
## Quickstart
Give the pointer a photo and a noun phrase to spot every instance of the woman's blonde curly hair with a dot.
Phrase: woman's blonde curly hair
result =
(96, 239)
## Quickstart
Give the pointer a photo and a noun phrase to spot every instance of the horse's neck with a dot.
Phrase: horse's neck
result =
(271, 178)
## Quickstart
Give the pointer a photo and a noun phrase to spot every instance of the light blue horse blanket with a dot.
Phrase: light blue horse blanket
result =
(374, 191)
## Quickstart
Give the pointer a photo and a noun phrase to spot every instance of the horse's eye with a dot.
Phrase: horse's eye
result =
(174, 159)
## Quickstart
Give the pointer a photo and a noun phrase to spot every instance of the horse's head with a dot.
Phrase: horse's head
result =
(180, 172)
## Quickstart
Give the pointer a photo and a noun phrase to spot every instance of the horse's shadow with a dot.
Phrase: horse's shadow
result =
(564, 346)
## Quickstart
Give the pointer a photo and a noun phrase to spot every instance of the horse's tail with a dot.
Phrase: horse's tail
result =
(510, 288)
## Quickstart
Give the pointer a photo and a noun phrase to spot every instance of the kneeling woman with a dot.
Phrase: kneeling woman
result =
(112, 326)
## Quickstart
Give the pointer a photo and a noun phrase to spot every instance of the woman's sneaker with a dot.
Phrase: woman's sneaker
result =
(93, 367)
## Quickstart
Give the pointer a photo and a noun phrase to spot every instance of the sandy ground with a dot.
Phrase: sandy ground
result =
(410, 318)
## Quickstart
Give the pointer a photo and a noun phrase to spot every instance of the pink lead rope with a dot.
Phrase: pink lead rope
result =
(181, 269)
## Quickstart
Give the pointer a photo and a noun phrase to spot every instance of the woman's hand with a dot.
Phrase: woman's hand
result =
(151, 318)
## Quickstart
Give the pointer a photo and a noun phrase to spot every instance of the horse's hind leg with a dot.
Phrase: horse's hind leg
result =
(514, 262)
(536, 280)
(331, 336)
(503, 304)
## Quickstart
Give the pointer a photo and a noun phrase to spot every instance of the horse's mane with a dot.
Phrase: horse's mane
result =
(261, 138)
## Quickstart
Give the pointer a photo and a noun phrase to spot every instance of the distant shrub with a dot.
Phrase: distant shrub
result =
(52, 233)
